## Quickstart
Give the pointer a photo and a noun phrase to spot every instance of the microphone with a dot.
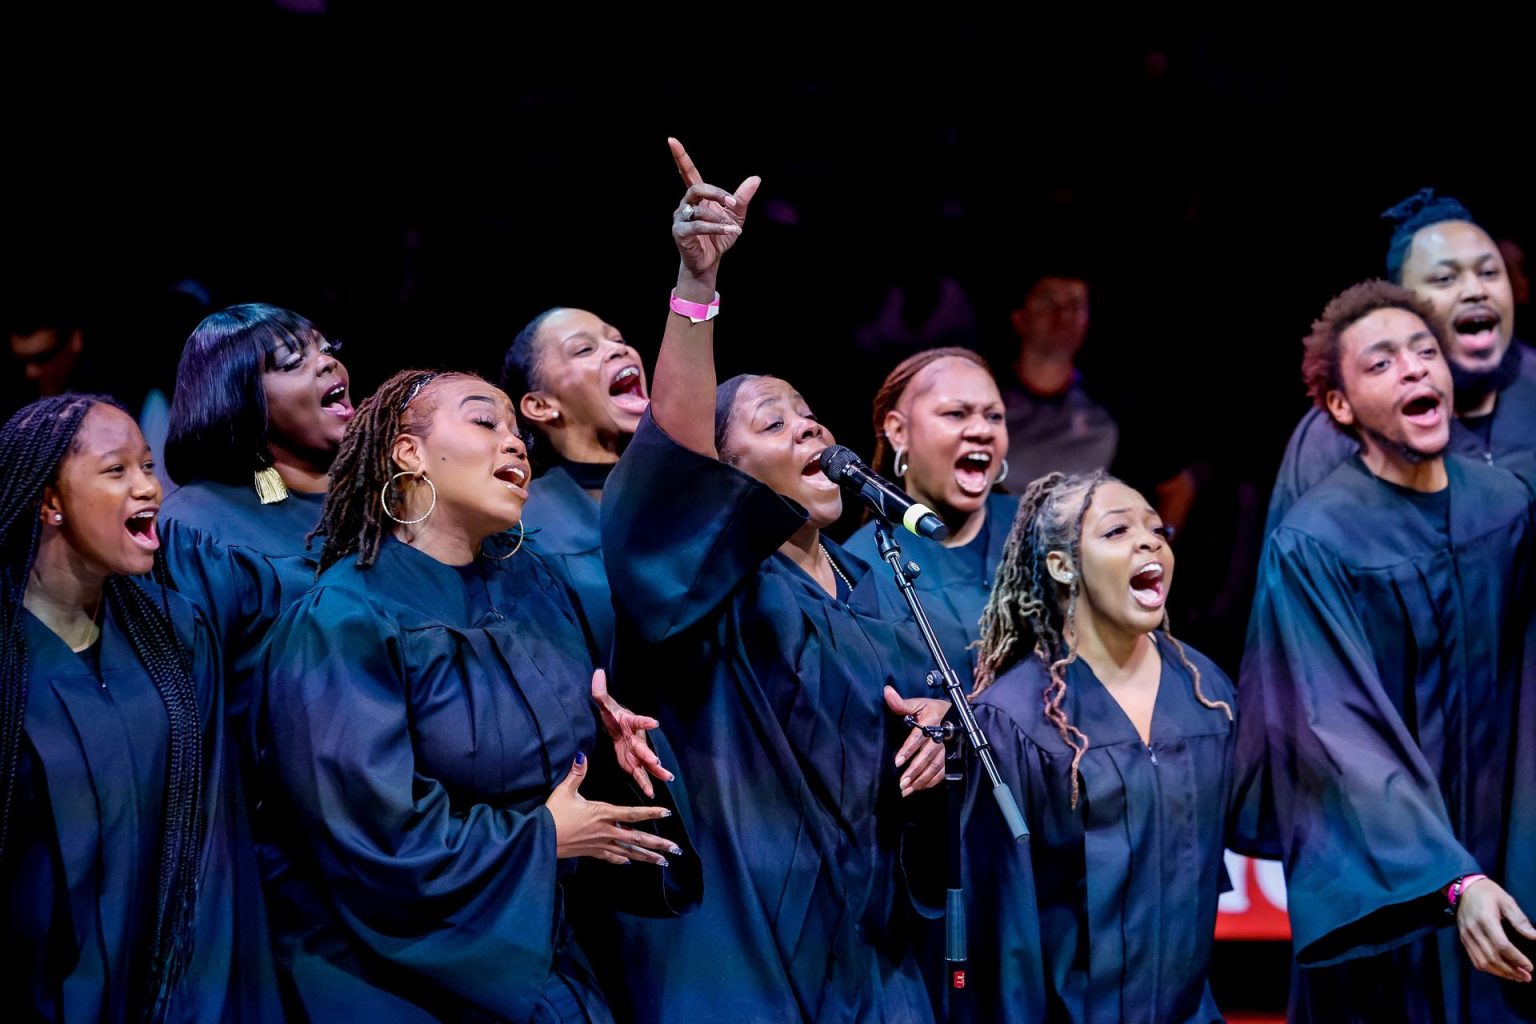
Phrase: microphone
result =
(884, 498)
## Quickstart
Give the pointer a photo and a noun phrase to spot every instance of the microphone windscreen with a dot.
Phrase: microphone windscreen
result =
(835, 460)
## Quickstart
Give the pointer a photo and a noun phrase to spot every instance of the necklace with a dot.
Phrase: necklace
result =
(830, 561)
(92, 629)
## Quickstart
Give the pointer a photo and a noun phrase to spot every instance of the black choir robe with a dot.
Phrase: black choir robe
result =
(562, 523)
(562, 520)
(770, 692)
(954, 583)
(1106, 913)
(1385, 698)
(79, 873)
(414, 718)
(242, 563)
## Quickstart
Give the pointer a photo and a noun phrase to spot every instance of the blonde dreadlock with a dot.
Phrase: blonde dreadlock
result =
(1031, 611)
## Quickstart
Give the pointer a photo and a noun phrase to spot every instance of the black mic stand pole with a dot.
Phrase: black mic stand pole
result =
(955, 955)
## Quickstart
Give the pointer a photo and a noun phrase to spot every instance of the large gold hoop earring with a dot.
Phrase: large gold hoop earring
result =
(384, 498)
(522, 531)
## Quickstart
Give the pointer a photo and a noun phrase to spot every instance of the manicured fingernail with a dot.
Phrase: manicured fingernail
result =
(906, 782)
(581, 758)
(661, 861)
(666, 813)
(676, 852)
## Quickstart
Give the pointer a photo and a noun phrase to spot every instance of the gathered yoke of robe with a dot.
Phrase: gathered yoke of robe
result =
(415, 718)
(770, 691)
(83, 855)
(954, 583)
(1106, 914)
(1387, 695)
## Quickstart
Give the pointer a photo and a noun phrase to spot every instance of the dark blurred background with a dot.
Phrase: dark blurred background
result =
(421, 182)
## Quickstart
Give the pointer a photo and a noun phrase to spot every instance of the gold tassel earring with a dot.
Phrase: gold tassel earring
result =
(270, 488)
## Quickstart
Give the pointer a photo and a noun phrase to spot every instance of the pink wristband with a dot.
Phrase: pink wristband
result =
(696, 311)
(1456, 889)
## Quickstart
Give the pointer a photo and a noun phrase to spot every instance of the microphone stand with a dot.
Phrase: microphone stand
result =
(955, 955)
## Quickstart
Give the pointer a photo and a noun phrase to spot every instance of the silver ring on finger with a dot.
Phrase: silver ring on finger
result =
(688, 211)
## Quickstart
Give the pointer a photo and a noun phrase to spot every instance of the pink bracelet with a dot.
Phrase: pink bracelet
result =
(1456, 889)
(698, 312)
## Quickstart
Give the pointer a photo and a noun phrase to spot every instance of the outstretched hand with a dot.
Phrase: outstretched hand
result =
(627, 731)
(589, 828)
(709, 219)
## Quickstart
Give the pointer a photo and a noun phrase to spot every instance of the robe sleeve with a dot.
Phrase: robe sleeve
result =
(465, 898)
(37, 946)
(1007, 959)
(1316, 448)
(231, 977)
(591, 604)
(239, 590)
(1518, 870)
(1357, 811)
(681, 531)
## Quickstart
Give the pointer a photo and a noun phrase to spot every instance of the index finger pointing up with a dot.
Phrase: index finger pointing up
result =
(690, 173)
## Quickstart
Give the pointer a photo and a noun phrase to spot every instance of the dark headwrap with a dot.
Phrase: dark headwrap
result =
(1408, 217)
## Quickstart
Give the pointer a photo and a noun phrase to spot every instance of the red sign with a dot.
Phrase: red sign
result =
(1255, 908)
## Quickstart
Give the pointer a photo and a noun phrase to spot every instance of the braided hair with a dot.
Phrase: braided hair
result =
(33, 445)
(353, 521)
(896, 384)
(1031, 612)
